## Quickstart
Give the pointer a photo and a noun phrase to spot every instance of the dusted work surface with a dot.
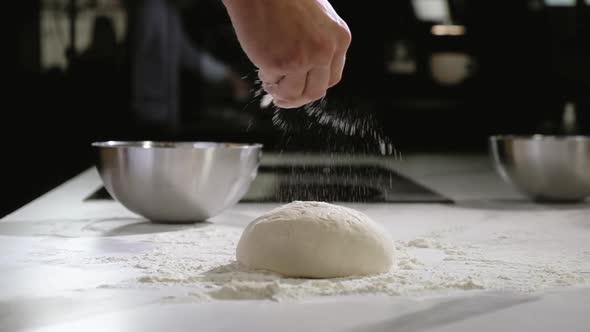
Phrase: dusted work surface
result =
(490, 261)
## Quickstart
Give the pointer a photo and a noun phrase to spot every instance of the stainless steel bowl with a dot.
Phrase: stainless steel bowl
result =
(177, 182)
(545, 168)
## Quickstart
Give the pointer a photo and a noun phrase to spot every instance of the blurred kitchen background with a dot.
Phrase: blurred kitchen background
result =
(434, 75)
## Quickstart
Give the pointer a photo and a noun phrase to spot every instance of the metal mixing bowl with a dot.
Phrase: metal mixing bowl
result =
(177, 182)
(545, 168)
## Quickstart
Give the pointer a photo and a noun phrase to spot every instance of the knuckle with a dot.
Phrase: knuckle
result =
(345, 37)
(334, 79)
(289, 61)
(322, 50)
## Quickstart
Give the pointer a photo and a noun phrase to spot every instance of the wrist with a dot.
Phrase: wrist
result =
(230, 3)
(233, 4)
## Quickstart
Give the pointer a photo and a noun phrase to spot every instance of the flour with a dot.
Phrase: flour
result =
(201, 262)
(329, 120)
(420, 243)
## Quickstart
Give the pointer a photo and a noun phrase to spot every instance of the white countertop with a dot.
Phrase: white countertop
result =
(50, 280)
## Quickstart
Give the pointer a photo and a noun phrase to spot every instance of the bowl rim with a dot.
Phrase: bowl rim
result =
(540, 137)
(192, 145)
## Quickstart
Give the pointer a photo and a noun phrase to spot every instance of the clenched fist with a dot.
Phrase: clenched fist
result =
(299, 46)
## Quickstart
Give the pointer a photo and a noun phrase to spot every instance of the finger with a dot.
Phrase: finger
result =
(267, 77)
(290, 88)
(287, 104)
(316, 83)
(337, 67)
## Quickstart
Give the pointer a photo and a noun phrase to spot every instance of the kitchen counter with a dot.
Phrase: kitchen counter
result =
(69, 264)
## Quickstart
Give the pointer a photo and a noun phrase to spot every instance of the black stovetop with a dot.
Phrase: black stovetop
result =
(332, 183)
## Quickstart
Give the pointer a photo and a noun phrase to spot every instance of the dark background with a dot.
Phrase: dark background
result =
(530, 59)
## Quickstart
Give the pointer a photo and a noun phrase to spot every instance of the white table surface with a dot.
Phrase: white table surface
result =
(41, 295)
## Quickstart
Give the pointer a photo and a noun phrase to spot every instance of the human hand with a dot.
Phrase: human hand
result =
(299, 46)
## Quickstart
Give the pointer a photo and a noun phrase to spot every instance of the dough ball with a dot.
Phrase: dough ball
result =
(315, 240)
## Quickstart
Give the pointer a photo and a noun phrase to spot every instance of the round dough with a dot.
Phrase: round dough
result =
(315, 240)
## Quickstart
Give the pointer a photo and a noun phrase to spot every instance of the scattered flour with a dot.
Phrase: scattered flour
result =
(420, 243)
(201, 261)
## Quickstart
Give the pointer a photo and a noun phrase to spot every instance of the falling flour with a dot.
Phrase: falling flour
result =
(329, 121)
(201, 261)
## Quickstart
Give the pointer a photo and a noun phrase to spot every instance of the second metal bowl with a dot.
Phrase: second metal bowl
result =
(545, 168)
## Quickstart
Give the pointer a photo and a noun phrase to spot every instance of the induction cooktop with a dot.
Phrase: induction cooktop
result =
(330, 183)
